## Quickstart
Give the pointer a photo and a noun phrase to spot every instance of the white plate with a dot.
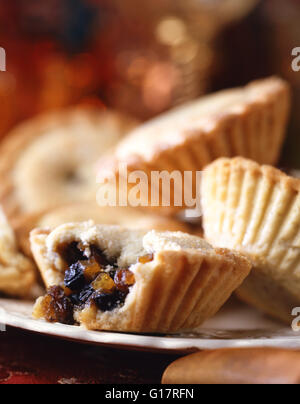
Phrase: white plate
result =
(235, 326)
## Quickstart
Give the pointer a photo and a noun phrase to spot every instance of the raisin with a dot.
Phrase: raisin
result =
(57, 307)
(75, 299)
(74, 276)
(146, 258)
(112, 273)
(124, 279)
(83, 297)
(85, 294)
(109, 301)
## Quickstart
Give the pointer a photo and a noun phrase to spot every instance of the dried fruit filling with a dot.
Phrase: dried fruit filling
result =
(88, 280)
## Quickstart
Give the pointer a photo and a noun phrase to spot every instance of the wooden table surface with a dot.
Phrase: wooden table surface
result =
(27, 358)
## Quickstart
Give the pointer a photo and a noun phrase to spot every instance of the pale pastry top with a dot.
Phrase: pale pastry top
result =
(200, 116)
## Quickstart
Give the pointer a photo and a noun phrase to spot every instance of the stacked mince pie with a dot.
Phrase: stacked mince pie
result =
(146, 269)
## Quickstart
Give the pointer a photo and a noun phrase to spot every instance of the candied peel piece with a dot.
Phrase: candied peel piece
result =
(146, 258)
(124, 279)
(91, 269)
(104, 283)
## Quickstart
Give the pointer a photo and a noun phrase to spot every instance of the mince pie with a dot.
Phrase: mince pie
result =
(256, 210)
(248, 121)
(111, 278)
(50, 160)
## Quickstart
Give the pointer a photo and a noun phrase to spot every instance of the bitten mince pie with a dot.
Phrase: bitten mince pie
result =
(256, 210)
(111, 278)
(50, 160)
(248, 121)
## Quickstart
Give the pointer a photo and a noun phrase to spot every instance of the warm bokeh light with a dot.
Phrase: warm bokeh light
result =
(159, 85)
(171, 31)
(142, 60)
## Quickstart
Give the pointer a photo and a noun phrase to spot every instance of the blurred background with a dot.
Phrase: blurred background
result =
(142, 57)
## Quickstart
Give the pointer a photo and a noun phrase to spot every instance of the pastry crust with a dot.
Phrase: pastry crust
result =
(248, 121)
(80, 212)
(49, 160)
(17, 273)
(186, 282)
(256, 210)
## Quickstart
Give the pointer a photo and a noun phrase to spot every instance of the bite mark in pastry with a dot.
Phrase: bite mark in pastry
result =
(111, 278)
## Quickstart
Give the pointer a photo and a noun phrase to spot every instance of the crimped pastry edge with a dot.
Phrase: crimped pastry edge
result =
(270, 281)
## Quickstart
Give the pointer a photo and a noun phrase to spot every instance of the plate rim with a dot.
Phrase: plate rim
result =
(140, 342)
